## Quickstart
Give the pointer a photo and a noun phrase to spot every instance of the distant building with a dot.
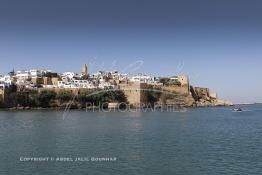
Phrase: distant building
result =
(23, 75)
(174, 78)
(213, 95)
(145, 79)
(85, 70)
(35, 73)
(55, 80)
(69, 75)
(37, 80)
(105, 85)
(118, 76)
(141, 78)
(183, 79)
(7, 80)
(74, 84)
(12, 73)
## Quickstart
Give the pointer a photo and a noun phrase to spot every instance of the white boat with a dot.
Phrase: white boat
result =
(237, 110)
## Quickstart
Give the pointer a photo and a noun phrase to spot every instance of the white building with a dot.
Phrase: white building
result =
(213, 95)
(2, 82)
(115, 75)
(83, 84)
(69, 75)
(142, 78)
(6, 80)
(49, 86)
(33, 73)
(62, 84)
(118, 76)
(36, 73)
(105, 85)
(76, 84)
(174, 78)
(23, 75)
(99, 75)
(2, 86)
(146, 79)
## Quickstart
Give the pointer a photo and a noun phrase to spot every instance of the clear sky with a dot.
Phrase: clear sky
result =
(218, 43)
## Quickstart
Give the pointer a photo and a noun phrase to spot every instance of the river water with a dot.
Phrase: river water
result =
(196, 141)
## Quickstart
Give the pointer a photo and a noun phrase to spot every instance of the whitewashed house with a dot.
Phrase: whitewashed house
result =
(142, 78)
(69, 75)
(105, 85)
(118, 76)
(23, 75)
(76, 84)
(6, 79)
(83, 84)
(145, 79)
(35, 73)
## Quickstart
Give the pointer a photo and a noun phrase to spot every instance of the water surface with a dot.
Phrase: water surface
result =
(198, 141)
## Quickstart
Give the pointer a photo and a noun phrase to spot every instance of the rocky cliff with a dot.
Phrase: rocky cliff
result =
(202, 98)
(196, 97)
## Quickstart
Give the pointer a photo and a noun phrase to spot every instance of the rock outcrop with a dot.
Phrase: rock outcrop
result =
(203, 99)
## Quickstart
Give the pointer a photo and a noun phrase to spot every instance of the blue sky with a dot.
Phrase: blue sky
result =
(217, 43)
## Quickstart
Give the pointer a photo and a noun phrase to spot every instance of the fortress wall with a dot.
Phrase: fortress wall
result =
(2, 95)
(135, 93)
(183, 79)
(184, 89)
(5, 98)
(61, 90)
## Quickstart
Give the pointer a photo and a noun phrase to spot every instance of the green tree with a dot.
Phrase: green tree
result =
(22, 98)
(164, 80)
(102, 97)
(64, 96)
(45, 97)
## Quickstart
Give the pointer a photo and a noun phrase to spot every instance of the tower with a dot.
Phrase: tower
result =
(183, 79)
(12, 73)
(85, 70)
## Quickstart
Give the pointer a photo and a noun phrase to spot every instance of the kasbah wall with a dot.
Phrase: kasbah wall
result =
(183, 89)
(2, 95)
(73, 91)
(135, 92)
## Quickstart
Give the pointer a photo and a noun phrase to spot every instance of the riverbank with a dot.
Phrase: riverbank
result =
(96, 108)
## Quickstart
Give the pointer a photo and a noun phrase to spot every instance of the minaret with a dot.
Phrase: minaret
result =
(85, 70)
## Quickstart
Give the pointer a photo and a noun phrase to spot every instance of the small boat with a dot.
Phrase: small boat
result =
(237, 110)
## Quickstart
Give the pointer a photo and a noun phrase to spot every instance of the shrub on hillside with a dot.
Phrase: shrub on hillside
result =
(64, 96)
(45, 97)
